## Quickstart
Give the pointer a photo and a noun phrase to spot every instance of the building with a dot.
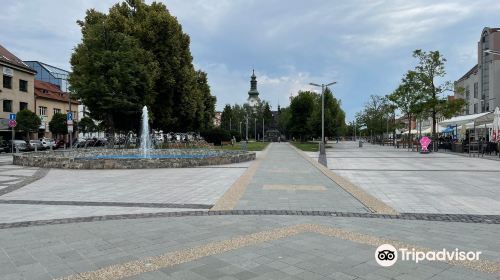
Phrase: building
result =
(253, 93)
(480, 86)
(217, 119)
(55, 76)
(17, 90)
(49, 100)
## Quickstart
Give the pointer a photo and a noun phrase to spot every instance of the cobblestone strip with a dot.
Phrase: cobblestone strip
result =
(479, 265)
(458, 218)
(40, 173)
(182, 256)
(137, 267)
(231, 197)
(368, 200)
(105, 203)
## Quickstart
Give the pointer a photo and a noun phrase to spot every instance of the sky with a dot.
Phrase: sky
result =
(364, 46)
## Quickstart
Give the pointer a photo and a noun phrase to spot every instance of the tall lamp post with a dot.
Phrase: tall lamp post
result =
(255, 128)
(246, 128)
(322, 143)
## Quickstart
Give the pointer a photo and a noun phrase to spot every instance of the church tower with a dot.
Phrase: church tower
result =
(253, 93)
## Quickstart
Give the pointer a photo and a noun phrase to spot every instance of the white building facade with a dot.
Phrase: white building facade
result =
(480, 86)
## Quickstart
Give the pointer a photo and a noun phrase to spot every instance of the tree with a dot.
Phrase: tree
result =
(226, 118)
(430, 68)
(301, 109)
(408, 97)
(112, 74)
(334, 116)
(58, 125)
(162, 75)
(206, 109)
(27, 121)
(87, 125)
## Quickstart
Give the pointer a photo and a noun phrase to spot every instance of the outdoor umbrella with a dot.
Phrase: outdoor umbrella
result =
(495, 131)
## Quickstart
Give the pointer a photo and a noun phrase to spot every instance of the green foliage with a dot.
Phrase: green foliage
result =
(251, 146)
(87, 125)
(216, 135)
(301, 110)
(377, 116)
(27, 121)
(334, 116)
(233, 116)
(57, 124)
(431, 67)
(138, 55)
(236, 135)
(302, 119)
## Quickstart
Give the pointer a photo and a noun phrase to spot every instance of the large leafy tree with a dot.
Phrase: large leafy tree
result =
(27, 121)
(179, 97)
(408, 97)
(301, 109)
(334, 116)
(226, 118)
(112, 74)
(431, 66)
(57, 124)
(87, 125)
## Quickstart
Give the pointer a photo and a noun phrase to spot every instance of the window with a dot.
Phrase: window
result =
(57, 111)
(475, 108)
(467, 93)
(23, 85)
(7, 81)
(42, 111)
(476, 90)
(7, 105)
(23, 106)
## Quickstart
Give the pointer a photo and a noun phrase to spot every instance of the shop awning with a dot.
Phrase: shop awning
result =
(460, 120)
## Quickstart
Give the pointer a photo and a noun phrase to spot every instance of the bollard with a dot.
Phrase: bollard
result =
(36, 148)
(360, 144)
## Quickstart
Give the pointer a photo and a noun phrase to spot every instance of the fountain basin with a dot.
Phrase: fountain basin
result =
(130, 158)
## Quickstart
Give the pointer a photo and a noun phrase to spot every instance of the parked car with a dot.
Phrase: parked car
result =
(59, 144)
(4, 146)
(36, 143)
(21, 146)
(47, 143)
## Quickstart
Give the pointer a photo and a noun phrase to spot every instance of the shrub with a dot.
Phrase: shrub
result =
(236, 135)
(216, 135)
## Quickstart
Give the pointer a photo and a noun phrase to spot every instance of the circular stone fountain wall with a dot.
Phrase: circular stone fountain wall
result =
(130, 158)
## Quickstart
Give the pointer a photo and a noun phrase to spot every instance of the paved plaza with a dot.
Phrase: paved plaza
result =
(282, 216)
(411, 182)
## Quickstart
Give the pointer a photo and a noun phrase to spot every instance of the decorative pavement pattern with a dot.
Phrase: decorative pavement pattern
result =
(419, 183)
(282, 216)
(244, 247)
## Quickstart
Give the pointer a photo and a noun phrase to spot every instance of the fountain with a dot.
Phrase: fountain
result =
(143, 157)
(145, 136)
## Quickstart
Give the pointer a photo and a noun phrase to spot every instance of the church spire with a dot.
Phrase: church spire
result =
(253, 93)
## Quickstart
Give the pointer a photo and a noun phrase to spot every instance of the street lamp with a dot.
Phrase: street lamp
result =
(322, 144)
(255, 128)
(246, 129)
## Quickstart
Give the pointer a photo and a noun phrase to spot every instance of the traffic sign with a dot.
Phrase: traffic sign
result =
(12, 123)
(69, 122)
(12, 116)
(69, 116)
(70, 128)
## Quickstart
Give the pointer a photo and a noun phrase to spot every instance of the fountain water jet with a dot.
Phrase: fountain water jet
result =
(145, 136)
